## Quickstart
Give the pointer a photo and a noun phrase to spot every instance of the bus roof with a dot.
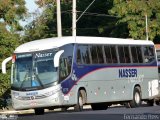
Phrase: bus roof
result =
(50, 43)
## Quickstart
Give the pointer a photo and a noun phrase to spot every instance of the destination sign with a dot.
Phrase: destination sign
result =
(23, 55)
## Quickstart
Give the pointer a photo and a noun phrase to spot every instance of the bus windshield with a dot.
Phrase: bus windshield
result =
(34, 70)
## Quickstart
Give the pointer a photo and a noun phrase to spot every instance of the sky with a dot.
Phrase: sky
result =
(32, 7)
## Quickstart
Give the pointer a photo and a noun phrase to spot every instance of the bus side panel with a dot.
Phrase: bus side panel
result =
(104, 84)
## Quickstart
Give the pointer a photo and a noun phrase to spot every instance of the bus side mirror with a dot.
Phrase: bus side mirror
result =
(4, 64)
(56, 58)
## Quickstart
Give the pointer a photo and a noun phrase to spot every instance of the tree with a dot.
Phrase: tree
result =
(133, 12)
(43, 26)
(11, 11)
(95, 22)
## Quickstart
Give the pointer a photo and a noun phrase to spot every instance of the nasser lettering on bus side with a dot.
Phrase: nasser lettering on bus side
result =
(125, 73)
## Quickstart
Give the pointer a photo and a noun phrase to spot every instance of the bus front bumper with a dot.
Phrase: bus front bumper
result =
(37, 99)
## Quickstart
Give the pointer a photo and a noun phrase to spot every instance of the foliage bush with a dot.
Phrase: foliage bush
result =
(11, 11)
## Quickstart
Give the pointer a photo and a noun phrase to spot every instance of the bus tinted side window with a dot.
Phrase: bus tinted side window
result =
(136, 54)
(79, 58)
(65, 61)
(100, 54)
(127, 55)
(110, 53)
(158, 55)
(83, 54)
(139, 51)
(124, 55)
(96, 54)
(148, 54)
(121, 54)
(114, 54)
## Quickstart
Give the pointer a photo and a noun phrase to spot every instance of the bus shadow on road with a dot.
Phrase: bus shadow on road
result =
(87, 110)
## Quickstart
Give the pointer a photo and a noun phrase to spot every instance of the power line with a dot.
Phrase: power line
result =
(85, 28)
(100, 15)
(90, 14)
(85, 10)
(86, 13)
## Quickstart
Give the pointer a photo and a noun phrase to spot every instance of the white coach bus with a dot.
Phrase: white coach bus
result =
(69, 71)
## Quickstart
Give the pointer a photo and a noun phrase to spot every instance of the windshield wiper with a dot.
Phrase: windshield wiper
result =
(25, 78)
(39, 80)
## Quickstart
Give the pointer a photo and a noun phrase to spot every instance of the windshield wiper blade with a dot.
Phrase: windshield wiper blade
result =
(39, 80)
(25, 78)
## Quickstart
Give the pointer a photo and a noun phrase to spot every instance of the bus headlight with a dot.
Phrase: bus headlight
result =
(15, 95)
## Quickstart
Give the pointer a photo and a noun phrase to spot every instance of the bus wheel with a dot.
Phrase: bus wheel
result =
(80, 101)
(136, 102)
(99, 106)
(39, 111)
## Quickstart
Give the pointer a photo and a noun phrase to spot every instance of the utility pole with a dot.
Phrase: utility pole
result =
(146, 27)
(74, 18)
(59, 24)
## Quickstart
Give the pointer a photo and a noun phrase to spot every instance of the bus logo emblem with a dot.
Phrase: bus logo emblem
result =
(32, 97)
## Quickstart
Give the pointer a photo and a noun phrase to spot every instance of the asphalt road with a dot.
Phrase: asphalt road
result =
(112, 113)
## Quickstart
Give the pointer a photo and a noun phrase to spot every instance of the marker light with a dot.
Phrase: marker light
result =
(13, 58)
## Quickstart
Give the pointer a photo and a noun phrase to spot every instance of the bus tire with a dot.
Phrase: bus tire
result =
(81, 100)
(136, 102)
(39, 111)
(99, 106)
